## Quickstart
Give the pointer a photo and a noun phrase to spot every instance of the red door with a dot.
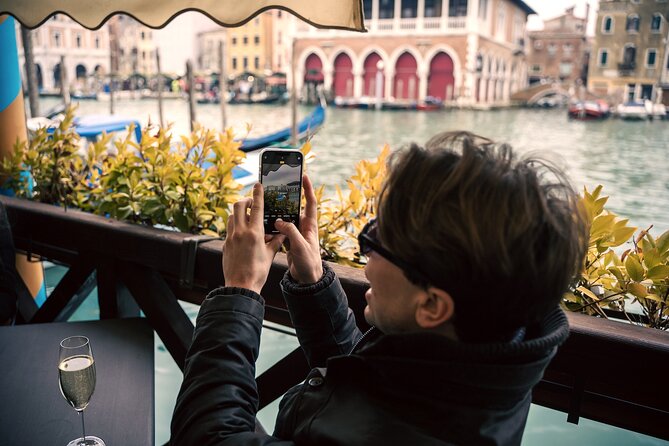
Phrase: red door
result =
(406, 79)
(369, 77)
(441, 80)
(343, 76)
(313, 69)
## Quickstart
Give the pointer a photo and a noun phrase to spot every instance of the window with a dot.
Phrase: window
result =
(234, 63)
(536, 68)
(256, 40)
(367, 10)
(97, 42)
(651, 56)
(142, 35)
(245, 40)
(386, 9)
(552, 49)
(603, 57)
(278, 14)
(256, 62)
(409, 9)
(632, 25)
(566, 68)
(457, 8)
(656, 23)
(629, 56)
(567, 49)
(538, 44)
(234, 41)
(483, 9)
(56, 40)
(433, 8)
(246, 62)
(501, 19)
(78, 40)
(607, 25)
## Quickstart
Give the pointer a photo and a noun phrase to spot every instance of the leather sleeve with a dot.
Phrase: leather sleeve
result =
(324, 323)
(218, 400)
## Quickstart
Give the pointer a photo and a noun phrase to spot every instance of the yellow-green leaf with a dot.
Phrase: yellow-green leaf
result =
(638, 290)
(658, 272)
(588, 293)
(634, 268)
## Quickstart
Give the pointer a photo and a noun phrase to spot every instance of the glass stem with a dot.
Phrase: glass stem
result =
(83, 427)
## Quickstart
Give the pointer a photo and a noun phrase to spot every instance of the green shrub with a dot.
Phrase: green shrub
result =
(162, 182)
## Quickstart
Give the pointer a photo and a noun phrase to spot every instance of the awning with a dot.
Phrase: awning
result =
(339, 14)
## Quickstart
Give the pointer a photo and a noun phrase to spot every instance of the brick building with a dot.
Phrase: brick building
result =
(559, 52)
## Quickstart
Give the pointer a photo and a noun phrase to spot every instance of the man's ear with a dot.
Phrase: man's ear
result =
(435, 307)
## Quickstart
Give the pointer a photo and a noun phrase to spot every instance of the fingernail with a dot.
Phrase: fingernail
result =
(256, 186)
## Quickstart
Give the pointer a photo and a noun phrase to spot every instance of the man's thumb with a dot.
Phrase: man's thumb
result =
(286, 228)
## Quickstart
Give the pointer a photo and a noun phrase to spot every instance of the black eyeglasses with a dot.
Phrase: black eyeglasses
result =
(368, 243)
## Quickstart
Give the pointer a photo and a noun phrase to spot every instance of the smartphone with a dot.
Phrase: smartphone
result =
(281, 177)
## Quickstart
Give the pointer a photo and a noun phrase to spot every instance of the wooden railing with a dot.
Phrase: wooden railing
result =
(606, 371)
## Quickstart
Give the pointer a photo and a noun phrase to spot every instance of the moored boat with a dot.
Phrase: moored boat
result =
(588, 110)
(632, 111)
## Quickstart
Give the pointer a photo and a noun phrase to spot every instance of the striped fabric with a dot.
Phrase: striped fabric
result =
(340, 14)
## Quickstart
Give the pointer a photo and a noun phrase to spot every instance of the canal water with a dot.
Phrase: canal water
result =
(630, 159)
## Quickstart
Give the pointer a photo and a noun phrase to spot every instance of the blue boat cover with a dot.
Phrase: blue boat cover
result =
(309, 124)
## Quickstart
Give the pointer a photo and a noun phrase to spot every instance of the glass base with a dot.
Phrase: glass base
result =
(90, 441)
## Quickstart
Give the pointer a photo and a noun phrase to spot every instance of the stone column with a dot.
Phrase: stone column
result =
(375, 16)
(388, 80)
(357, 83)
(328, 79)
(483, 89)
(397, 14)
(422, 83)
(420, 14)
(470, 68)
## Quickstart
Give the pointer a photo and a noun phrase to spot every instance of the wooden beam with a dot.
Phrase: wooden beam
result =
(161, 308)
(65, 297)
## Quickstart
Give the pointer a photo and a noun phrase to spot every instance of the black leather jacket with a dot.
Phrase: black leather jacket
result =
(417, 389)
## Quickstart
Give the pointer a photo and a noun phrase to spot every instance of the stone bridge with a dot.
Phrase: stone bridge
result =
(531, 95)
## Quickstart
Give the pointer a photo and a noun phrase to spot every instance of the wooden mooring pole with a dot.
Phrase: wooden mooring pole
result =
(191, 93)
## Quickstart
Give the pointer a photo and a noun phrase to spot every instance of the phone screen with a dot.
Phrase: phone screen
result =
(281, 177)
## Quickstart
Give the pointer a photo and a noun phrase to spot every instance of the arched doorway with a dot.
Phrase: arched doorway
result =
(56, 75)
(371, 67)
(313, 77)
(342, 84)
(80, 71)
(40, 78)
(406, 80)
(440, 82)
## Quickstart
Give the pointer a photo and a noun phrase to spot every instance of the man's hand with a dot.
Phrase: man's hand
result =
(304, 255)
(247, 251)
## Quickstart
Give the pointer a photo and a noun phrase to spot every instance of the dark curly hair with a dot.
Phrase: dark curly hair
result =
(504, 236)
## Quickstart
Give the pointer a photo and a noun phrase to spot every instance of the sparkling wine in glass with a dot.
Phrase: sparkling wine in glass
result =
(76, 373)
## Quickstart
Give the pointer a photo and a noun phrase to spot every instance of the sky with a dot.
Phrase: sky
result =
(548, 9)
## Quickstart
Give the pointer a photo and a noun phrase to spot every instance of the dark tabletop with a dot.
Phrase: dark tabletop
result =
(32, 409)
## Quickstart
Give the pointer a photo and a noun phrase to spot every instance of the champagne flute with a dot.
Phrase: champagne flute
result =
(76, 372)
